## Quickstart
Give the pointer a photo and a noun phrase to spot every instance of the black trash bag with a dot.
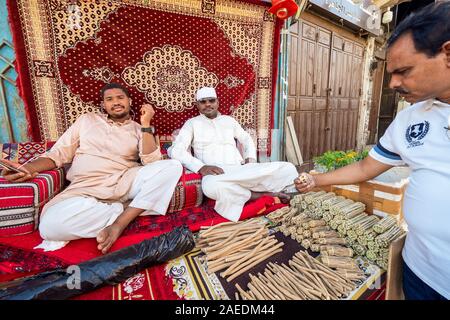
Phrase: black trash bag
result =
(110, 269)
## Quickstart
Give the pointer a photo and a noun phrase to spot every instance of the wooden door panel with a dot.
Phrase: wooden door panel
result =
(333, 103)
(375, 107)
(321, 72)
(315, 134)
(292, 104)
(306, 71)
(336, 70)
(294, 68)
(309, 31)
(337, 42)
(344, 103)
(320, 105)
(345, 128)
(356, 77)
(333, 76)
(359, 50)
(323, 134)
(349, 129)
(347, 75)
(305, 104)
(354, 104)
(324, 37)
(333, 129)
(305, 134)
(348, 46)
(354, 129)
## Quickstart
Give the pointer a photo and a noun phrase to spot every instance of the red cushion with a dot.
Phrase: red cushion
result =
(21, 203)
(24, 151)
(188, 192)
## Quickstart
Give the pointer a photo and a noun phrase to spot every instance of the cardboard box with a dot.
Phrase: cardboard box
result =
(394, 285)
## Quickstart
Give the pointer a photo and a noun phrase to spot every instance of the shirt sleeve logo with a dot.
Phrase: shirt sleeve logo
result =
(416, 132)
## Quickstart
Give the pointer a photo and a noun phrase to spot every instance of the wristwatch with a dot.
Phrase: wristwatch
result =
(150, 129)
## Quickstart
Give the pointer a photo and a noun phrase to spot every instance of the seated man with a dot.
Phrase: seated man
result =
(105, 151)
(226, 178)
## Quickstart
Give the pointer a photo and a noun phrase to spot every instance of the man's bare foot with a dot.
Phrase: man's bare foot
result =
(108, 236)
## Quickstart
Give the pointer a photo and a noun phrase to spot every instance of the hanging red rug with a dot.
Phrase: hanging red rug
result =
(163, 51)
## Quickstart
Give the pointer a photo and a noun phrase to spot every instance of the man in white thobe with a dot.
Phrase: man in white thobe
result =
(227, 177)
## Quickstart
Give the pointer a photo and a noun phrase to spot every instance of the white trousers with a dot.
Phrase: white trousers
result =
(232, 189)
(84, 217)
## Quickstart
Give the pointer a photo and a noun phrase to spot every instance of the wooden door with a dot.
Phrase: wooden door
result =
(308, 83)
(376, 99)
(345, 85)
(388, 106)
(325, 75)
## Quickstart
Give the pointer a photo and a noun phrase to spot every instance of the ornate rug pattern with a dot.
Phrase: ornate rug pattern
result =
(163, 51)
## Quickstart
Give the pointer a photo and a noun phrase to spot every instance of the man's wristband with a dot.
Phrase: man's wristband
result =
(150, 129)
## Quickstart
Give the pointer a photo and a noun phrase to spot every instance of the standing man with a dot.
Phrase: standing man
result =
(227, 177)
(105, 152)
(418, 57)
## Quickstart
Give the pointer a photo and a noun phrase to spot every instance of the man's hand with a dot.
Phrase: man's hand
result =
(250, 160)
(147, 113)
(305, 182)
(17, 177)
(207, 170)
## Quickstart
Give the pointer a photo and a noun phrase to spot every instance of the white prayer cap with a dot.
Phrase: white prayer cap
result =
(206, 92)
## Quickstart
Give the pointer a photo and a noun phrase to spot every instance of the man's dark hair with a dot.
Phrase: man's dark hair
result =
(429, 27)
(113, 85)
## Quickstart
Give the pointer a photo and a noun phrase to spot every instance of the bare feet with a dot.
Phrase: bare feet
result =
(108, 236)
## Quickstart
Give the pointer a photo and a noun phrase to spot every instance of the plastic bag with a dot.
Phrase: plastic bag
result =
(110, 269)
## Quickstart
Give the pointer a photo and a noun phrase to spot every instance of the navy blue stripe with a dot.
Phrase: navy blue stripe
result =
(386, 153)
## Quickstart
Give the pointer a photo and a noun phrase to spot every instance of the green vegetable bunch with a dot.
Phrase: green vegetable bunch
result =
(332, 160)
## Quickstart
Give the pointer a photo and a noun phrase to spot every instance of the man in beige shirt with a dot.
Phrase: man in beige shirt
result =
(105, 152)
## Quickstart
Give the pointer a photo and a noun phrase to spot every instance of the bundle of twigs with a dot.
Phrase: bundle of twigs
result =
(305, 278)
(236, 247)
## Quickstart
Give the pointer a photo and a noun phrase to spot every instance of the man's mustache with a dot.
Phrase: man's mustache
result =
(401, 90)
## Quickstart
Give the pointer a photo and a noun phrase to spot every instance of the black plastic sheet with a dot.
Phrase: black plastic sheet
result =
(110, 269)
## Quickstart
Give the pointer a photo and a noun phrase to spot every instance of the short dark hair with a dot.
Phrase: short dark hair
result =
(429, 27)
(113, 85)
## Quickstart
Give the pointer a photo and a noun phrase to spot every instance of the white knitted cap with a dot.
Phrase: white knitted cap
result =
(206, 92)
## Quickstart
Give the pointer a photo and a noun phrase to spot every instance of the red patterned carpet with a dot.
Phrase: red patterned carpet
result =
(19, 259)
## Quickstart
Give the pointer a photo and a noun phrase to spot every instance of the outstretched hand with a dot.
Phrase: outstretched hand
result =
(305, 182)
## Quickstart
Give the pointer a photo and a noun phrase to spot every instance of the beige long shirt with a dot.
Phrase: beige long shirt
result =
(104, 155)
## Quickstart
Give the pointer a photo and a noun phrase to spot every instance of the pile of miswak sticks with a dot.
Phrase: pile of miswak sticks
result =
(236, 247)
(314, 235)
(368, 235)
(304, 278)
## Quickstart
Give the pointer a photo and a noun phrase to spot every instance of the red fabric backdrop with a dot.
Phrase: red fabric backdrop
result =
(163, 51)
